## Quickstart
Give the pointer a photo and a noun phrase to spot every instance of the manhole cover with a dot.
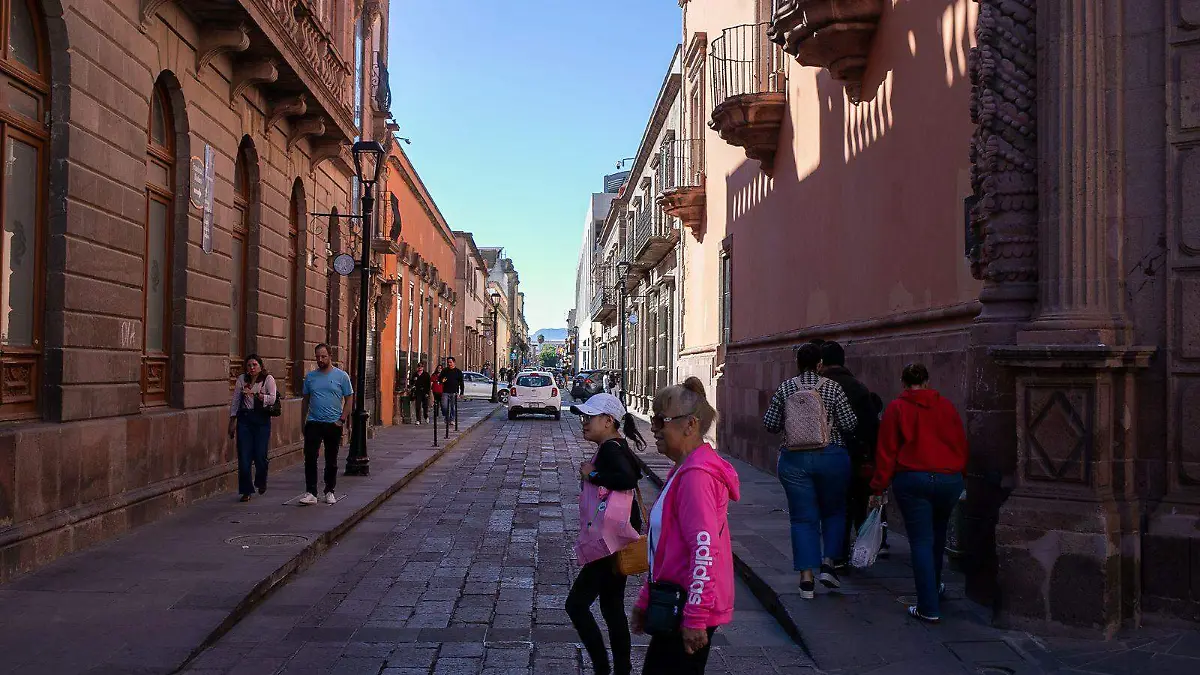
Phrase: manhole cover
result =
(907, 599)
(249, 518)
(267, 540)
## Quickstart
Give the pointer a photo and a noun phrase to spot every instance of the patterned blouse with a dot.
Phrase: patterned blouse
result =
(241, 401)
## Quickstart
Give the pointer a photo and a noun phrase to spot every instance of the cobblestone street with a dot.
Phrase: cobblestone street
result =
(464, 571)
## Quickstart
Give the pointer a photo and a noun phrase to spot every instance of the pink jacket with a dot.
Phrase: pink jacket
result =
(693, 549)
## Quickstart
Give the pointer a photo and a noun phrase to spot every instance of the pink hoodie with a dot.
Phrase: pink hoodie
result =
(693, 549)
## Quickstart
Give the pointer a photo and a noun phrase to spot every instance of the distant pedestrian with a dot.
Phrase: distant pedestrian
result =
(328, 397)
(254, 392)
(612, 468)
(922, 454)
(814, 467)
(422, 387)
(860, 442)
(689, 542)
(452, 386)
(435, 386)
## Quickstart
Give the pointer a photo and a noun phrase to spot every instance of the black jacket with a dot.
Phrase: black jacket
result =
(867, 407)
(616, 469)
(422, 384)
(452, 381)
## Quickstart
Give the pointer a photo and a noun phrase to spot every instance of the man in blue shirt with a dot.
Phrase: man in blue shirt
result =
(328, 398)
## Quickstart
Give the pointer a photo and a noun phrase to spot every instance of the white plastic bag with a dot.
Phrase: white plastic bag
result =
(870, 537)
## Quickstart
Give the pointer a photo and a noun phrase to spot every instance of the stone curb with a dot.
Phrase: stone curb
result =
(762, 590)
(309, 554)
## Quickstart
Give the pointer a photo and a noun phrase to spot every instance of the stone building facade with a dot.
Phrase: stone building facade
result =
(164, 159)
(986, 186)
(473, 310)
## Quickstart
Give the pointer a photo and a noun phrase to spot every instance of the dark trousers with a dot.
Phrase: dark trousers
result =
(667, 656)
(450, 407)
(422, 399)
(253, 439)
(927, 500)
(599, 579)
(316, 434)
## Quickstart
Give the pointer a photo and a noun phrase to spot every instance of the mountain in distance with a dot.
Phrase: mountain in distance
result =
(552, 334)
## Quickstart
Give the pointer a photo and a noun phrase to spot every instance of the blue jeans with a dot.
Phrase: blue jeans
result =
(815, 482)
(449, 407)
(253, 439)
(927, 500)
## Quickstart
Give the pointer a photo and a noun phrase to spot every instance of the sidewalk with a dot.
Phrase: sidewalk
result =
(146, 602)
(864, 628)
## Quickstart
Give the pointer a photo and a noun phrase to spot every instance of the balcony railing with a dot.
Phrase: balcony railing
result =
(745, 61)
(748, 86)
(681, 182)
(681, 164)
(315, 48)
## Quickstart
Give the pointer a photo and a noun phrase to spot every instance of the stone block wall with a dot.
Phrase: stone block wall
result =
(97, 462)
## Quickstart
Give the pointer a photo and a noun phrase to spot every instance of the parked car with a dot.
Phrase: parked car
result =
(479, 386)
(587, 384)
(534, 391)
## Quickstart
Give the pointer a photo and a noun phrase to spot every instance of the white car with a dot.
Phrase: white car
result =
(479, 386)
(534, 391)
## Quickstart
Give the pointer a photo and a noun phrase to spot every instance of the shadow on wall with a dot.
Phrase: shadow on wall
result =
(859, 236)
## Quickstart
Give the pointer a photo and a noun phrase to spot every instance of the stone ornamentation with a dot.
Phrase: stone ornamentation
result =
(831, 34)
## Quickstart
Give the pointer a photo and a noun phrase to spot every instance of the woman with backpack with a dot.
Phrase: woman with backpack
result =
(613, 468)
(922, 454)
(813, 413)
(254, 394)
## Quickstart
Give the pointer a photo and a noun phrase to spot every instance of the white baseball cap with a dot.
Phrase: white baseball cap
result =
(601, 404)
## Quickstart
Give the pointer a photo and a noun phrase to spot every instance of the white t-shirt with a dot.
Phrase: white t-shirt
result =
(656, 515)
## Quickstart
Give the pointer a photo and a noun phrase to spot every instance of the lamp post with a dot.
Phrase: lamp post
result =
(622, 271)
(368, 167)
(495, 299)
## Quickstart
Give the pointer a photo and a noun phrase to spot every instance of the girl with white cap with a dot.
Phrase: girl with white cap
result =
(614, 468)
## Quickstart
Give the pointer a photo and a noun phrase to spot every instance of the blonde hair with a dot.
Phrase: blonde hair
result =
(687, 398)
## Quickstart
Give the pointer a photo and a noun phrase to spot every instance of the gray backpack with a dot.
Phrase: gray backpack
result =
(805, 421)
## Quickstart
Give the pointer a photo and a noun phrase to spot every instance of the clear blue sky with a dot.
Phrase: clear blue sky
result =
(516, 111)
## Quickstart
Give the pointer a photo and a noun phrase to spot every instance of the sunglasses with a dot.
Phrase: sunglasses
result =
(658, 421)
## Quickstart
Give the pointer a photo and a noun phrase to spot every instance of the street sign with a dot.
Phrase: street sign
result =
(197, 196)
(343, 264)
(633, 319)
(206, 233)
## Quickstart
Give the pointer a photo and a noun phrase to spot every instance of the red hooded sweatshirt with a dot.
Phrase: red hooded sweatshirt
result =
(921, 431)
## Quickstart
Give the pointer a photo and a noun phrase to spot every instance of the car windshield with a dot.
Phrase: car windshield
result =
(533, 381)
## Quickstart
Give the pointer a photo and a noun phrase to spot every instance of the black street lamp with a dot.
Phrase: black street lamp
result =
(495, 298)
(622, 272)
(368, 167)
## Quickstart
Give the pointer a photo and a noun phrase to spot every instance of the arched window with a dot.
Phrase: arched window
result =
(295, 306)
(156, 288)
(240, 255)
(24, 117)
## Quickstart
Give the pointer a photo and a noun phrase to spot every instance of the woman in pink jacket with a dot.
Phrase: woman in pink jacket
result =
(688, 544)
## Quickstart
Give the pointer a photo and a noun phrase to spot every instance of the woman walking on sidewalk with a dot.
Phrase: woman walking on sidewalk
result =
(816, 474)
(253, 393)
(614, 468)
(922, 454)
(435, 385)
(691, 559)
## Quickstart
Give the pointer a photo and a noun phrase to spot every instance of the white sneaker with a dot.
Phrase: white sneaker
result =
(329, 498)
(308, 499)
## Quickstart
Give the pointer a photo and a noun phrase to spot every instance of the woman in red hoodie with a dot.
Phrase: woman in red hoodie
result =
(922, 454)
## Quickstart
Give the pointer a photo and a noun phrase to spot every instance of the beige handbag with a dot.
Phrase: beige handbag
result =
(634, 559)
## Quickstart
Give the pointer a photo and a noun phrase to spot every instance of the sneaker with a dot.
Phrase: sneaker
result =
(245, 498)
(829, 577)
(262, 490)
(329, 498)
(308, 499)
(841, 565)
(912, 611)
(808, 590)
(941, 590)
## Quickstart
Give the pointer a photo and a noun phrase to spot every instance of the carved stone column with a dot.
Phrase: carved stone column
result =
(1068, 540)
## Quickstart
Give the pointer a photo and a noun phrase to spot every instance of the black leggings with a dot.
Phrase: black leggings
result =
(600, 579)
(667, 656)
(422, 411)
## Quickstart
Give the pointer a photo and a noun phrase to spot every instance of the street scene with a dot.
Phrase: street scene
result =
(408, 337)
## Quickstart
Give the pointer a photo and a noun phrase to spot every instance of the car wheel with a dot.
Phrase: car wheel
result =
(503, 396)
